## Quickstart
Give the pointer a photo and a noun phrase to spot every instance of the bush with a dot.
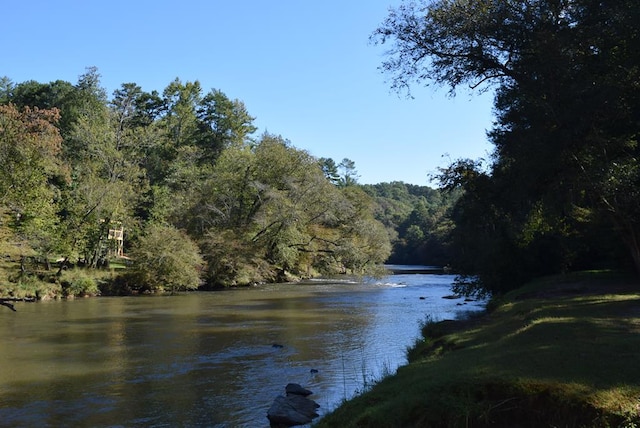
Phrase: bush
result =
(166, 259)
(79, 283)
(29, 286)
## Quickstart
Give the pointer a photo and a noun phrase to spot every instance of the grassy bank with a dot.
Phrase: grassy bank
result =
(561, 352)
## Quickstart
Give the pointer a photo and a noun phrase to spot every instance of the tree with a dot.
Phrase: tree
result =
(330, 170)
(6, 89)
(30, 147)
(567, 108)
(166, 259)
(182, 100)
(222, 122)
(105, 169)
(349, 175)
(58, 94)
(267, 212)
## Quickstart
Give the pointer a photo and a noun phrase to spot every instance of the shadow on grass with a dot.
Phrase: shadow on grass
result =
(563, 357)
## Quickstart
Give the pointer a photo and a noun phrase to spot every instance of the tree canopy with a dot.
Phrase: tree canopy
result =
(200, 199)
(559, 192)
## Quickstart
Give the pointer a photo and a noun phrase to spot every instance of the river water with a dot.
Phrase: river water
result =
(209, 359)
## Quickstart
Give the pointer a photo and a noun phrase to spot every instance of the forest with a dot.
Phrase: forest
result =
(183, 178)
(560, 191)
(148, 191)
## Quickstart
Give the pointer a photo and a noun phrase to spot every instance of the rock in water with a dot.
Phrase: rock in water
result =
(296, 389)
(294, 409)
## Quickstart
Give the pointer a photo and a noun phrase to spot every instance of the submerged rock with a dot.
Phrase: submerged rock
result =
(293, 409)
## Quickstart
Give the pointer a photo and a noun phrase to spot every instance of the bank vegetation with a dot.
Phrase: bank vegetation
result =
(169, 191)
(560, 351)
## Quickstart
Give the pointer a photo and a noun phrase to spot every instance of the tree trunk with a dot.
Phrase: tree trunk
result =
(63, 265)
(634, 249)
(630, 238)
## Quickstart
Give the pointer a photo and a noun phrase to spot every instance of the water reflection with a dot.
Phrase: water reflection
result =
(208, 359)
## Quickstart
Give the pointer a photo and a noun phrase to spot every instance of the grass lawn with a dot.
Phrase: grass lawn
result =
(560, 352)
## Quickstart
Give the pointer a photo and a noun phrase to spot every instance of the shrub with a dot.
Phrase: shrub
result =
(78, 283)
(166, 259)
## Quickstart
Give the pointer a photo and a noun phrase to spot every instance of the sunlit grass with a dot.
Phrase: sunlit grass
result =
(549, 356)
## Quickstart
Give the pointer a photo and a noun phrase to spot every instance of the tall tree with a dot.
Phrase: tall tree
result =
(330, 170)
(268, 212)
(58, 94)
(181, 121)
(105, 163)
(222, 122)
(30, 146)
(567, 105)
(349, 174)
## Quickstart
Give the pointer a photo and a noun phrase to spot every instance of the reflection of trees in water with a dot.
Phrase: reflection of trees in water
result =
(204, 358)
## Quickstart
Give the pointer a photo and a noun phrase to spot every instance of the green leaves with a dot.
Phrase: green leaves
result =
(182, 174)
(166, 259)
(272, 201)
(567, 105)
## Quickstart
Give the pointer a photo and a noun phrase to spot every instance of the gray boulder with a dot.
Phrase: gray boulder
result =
(296, 389)
(293, 409)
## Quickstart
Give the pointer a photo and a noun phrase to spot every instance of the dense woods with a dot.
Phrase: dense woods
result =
(182, 173)
(418, 219)
(560, 191)
(177, 187)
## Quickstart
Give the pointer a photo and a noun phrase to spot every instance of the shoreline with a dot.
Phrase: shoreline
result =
(561, 351)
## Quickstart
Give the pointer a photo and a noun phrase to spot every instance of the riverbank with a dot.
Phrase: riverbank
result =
(558, 352)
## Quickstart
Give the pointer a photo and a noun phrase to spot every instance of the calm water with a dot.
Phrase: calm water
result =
(208, 359)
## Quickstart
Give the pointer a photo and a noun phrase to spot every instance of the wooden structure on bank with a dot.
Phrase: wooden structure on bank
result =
(117, 234)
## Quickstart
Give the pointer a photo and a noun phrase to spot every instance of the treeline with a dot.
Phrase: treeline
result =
(561, 190)
(418, 219)
(201, 200)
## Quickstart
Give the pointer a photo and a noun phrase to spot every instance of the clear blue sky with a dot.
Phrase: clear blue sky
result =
(305, 70)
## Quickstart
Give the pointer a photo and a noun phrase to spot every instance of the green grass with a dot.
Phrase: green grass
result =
(562, 352)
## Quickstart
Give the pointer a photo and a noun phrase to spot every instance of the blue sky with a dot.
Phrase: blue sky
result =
(306, 70)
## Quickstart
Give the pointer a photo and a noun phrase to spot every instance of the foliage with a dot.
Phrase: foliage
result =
(181, 159)
(31, 287)
(330, 170)
(30, 146)
(79, 282)
(560, 185)
(271, 202)
(166, 259)
(417, 219)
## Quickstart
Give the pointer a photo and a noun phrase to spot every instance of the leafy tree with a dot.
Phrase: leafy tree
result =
(58, 94)
(349, 175)
(30, 146)
(268, 212)
(106, 174)
(567, 107)
(6, 89)
(166, 259)
(222, 122)
(181, 100)
(125, 105)
(330, 170)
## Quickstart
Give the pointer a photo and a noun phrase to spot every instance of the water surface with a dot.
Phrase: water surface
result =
(213, 359)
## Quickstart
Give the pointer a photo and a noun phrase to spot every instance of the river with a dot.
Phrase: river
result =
(210, 359)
